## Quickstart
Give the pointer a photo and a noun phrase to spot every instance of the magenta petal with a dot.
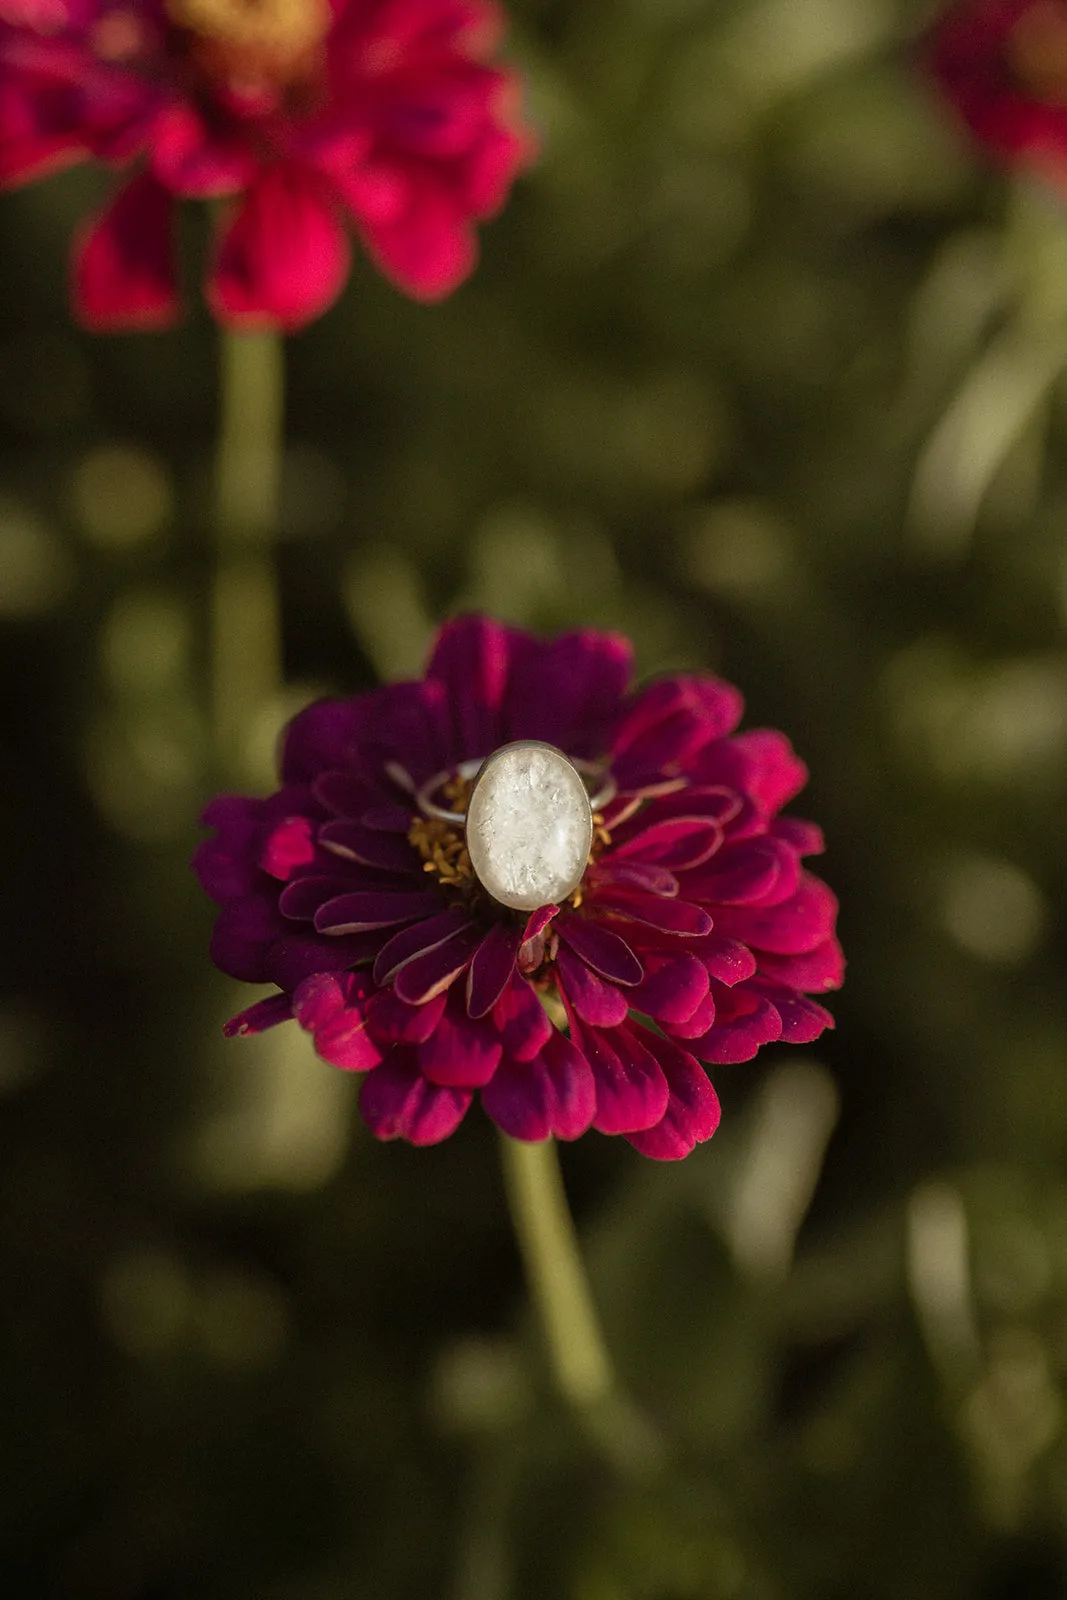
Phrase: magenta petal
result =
(797, 926)
(244, 931)
(679, 917)
(692, 1113)
(471, 659)
(289, 845)
(427, 249)
(567, 690)
(776, 771)
(302, 898)
(756, 870)
(398, 1103)
(323, 1007)
(194, 160)
(416, 941)
(460, 1052)
(321, 738)
(392, 1021)
(676, 843)
(672, 988)
(642, 875)
(595, 1001)
(744, 1022)
(283, 259)
(296, 956)
(258, 1018)
(491, 969)
(124, 265)
(631, 1090)
(805, 837)
(374, 908)
(696, 1025)
(726, 959)
(820, 969)
(371, 847)
(227, 866)
(604, 951)
(554, 1094)
(520, 1019)
(430, 974)
(802, 1019)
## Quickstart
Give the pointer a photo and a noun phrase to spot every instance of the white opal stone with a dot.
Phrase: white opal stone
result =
(529, 826)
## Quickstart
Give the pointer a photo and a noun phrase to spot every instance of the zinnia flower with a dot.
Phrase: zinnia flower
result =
(1003, 63)
(694, 935)
(306, 115)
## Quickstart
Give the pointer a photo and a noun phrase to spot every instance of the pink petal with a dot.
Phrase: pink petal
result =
(244, 932)
(692, 1113)
(460, 1052)
(756, 871)
(679, 917)
(567, 690)
(744, 1022)
(371, 847)
(428, 249)
(374, 908)
(802, 1019)
(413, 942)
(393, 1021)
(553, 1094)
(520, 1019)
(606, 952)
(332, 1008)
(290, 845)
(595, 1001)
(491, 969)
(820, 969)
(398, 1103)
(283, 259)
(776, 773)
(193, 160)
(258, 1018)
(674, 842)
(123, 275)
(795, 927)
(631, 1090)
(294, 957)
(430, 974)
(672, 988)
(470, 658)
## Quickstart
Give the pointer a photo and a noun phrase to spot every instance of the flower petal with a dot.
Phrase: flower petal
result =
(258, 1018)
(283, 259)
(568, 690)
(595, 1001)
(365, 909)
(776, 772)
(333, 1010)
(491, 969)
(520, 1019)
(430, 974)
(631, 1090)
(426, 246)
(371, 847)
(604, 951)
(470, 659)
(392, 1021)
(413, 942)
(123, 275)
(803, 1020)
(460, 1051)
(692, 1113)
(745, 1020)
(289, 845)
(820, 969)
(398, 1103)
(553, 1094)
(797, 926)
(672, 989)
(244, 932)
(679, 917)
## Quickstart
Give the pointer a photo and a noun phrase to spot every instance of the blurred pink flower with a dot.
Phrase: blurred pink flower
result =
(303, 115)
(694, 936)
(1003, 65)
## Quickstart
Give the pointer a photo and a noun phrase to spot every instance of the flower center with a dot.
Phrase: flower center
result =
(1037, 51)
(254, 45)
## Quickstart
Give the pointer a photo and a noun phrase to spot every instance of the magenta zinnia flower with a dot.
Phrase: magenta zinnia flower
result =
(307, 115)
(694, 936)
(1003, 64)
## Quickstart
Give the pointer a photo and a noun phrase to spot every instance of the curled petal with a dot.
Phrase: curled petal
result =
(397, 1102)
(606, 952)
(258, 1018)
(491, 969)
(417, 940)
(430, 974)
(366, 909)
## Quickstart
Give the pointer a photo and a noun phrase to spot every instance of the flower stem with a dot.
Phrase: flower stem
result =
(580, 1362)
(245, 624)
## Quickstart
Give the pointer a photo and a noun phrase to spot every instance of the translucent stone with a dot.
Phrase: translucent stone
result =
(529, 826)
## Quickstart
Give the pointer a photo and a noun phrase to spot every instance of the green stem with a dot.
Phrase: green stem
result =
(580, 1362)
(246, 650)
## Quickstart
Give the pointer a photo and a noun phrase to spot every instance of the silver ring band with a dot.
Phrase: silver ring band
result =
(466, 770)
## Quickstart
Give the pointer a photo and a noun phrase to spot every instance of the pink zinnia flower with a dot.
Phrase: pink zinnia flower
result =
(694, 936)
(1003, 64)
(306, 115)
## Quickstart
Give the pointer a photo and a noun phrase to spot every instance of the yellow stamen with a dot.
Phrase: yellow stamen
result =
(269, 38)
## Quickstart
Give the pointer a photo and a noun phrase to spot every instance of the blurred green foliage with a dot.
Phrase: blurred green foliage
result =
(761, 368)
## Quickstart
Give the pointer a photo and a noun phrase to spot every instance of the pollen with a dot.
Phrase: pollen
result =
(269, 39)
(444, 852)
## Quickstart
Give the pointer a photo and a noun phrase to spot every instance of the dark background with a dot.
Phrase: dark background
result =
(763, 368)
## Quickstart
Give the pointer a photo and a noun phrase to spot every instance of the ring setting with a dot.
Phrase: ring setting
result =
(528, 821)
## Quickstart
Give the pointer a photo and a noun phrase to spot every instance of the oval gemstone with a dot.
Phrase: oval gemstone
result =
(529, 826)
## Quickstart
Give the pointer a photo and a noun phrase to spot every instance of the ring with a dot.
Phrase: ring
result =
(528, 822)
